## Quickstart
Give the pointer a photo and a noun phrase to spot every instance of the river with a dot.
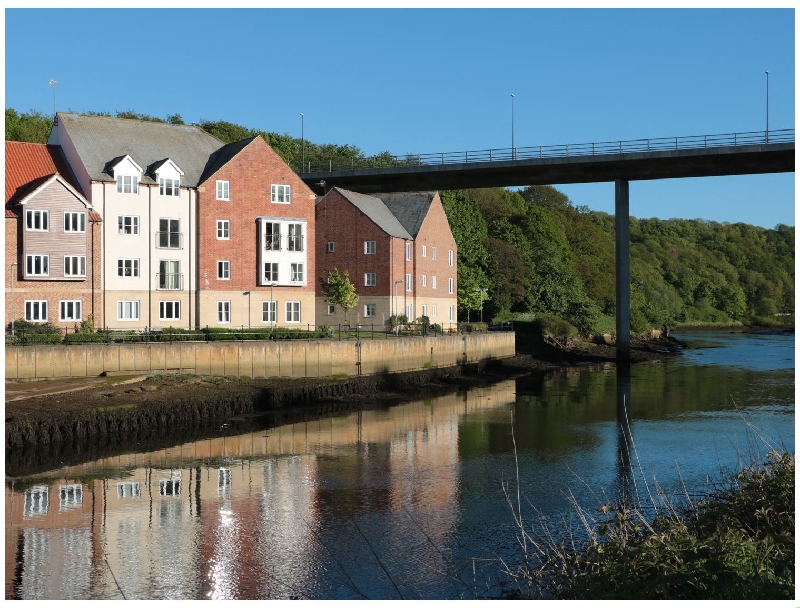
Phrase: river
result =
(405, 501)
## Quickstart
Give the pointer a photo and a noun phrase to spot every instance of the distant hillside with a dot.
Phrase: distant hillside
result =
(536, 253)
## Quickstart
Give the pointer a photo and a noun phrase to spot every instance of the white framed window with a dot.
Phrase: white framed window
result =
(224, 311)
(451, 256)
(295, 237)
(36, 310)
(433, 282)
(224, 270)
(433, 253)
(409, 312)
(37, 265)
(269, 311)
(37, 220)
(297, 273)
(272, 236)
(281, 193)
(424, 280)
(74, 221)
(127, 310)
(409, 251)
(169, 311)
(369, 310)
(169, 234)
(127, 184)
(331, 309)
(370, 279)
(270, 272)
(169, 187)
(223, 230)
(408, 282)
(169, 274)
(369, 247)
(424, 251)
(127, 224)
(75, 266)
(127, 267)
(451, 313)
(451, 285)
(293, 312)
(433, 310)
(424, 310)
(223, 190)
(331, 246)
(70, 310)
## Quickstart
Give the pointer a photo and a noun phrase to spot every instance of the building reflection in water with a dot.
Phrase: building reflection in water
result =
(239, 517)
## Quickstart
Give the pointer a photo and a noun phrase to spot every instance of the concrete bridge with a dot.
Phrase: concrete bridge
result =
(620, 162)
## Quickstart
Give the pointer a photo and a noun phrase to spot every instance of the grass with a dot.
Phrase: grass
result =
(737, 544)
(109, 408)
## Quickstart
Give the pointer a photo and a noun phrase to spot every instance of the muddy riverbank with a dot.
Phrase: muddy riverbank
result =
(68, 428)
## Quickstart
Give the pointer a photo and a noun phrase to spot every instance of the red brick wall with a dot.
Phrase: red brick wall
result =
(435, 232)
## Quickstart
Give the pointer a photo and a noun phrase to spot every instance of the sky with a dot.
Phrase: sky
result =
(415, 80)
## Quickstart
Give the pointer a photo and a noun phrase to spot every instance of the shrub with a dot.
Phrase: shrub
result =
(549, 325)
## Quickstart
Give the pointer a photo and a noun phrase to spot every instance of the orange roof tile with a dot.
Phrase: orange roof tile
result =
(26, 162)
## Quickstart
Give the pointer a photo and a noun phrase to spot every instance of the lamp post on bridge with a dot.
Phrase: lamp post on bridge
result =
(766, 133)
(513, 149)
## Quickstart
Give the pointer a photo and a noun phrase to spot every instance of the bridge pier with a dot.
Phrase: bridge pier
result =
(623, 267)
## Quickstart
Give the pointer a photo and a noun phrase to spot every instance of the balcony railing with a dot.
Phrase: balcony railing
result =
(169, 281)
(296, 243)
(169, 240)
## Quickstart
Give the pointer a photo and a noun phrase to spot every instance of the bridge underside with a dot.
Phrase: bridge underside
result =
(699, 162)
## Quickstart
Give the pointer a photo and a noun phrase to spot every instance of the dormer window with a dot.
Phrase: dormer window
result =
(127, 184)
(169, 187)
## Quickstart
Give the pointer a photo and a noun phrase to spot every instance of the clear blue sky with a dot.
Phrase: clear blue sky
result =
(437, 80)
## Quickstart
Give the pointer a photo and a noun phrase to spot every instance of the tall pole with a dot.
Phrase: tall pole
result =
(766, 133)
(12, 297)
(53, 82)
(303, 142)
(513, 149)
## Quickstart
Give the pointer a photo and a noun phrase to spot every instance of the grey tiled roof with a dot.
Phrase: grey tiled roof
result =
(100, 139)
(410, 208)
(378, 212)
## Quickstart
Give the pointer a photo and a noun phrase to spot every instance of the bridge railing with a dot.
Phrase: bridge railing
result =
(631, 146)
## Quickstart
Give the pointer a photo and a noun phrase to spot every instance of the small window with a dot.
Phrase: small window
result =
(281, 194)
(69, 310)
(369, 247)
(169, 311)
(424, 280)
(297, 273)
(127, 224)
(169, 187)
(270, 272)
(433, 282)
(370, 279)
(127, 268)
(424, 251)
(37, 265)
(74, 221)
(369, 310)
(451, 256)
(269, 310)
(224, 270)
(409, 312)
(424, 310)
(128, 310)
(223, 230)
(295, 237)
(224, 311)
(293, 312)
(331, 309)
(433, 310)
(408, 282)
(223, 190)
(36, 310)
(127, 184)
(37, 220)
(450, 285)
(451, 313)
(433, 253)
(331, 246)
(75, 266)
(409, 250)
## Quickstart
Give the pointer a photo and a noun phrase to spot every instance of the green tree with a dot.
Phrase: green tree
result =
(339, 290)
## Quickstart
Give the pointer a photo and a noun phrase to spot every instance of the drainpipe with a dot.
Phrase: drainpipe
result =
(189, 270)
(104, 259)
(149, 256)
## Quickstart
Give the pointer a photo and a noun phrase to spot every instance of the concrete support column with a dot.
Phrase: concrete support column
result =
(623, 268)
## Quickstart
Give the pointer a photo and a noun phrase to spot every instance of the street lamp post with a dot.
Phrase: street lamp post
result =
(766, 133)
(302, 142)
(482, 291)
(513, 149)
(12, 297)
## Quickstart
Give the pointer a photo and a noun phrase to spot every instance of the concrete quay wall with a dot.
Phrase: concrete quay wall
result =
(257, 359)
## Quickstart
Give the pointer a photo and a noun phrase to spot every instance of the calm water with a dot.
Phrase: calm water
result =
(400, 502)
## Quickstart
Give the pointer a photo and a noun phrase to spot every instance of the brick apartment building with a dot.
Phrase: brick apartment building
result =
(398, 250)
(53, 241)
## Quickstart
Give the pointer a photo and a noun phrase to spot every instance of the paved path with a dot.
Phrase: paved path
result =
(16, 390)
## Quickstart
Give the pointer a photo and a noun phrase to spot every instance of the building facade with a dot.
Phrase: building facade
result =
(53, 241)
